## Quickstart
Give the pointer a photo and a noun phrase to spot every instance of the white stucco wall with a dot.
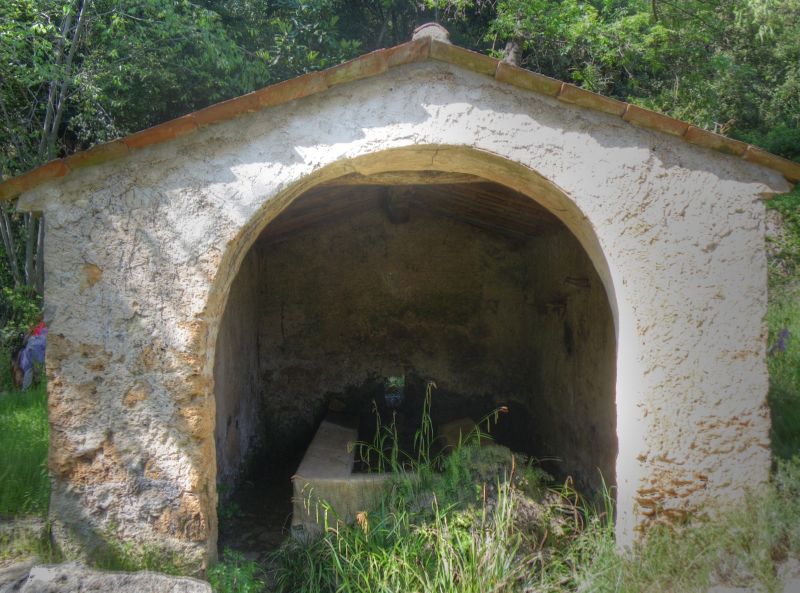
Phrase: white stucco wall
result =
(140, 253)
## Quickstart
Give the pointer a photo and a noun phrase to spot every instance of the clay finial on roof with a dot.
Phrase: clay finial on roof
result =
(432, 30)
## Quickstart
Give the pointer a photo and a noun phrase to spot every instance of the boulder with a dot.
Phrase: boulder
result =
(72, 577)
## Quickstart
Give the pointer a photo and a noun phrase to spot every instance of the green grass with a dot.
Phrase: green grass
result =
(784, 371)
(422, 537)
(24, 438)
(477, 522)
(26, 539)
(491, 529)
(482, 519)
(783, 319)
(235, 574)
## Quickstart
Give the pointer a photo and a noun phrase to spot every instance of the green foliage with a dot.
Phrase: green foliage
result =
(236, 574)
(19, 309)
(739, 547)
(783, 319)
(470, 469)
(468, 524)
(141, 62)
(785, 258)
(443, 524)
(24, 439)
(409, 543)
(723, 64)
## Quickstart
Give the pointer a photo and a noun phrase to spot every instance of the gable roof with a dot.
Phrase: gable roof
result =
(377, 62)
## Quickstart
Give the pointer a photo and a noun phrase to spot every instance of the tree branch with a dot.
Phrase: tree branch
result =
(40, 258)
(8, 243)
(51, 93)
(65, 80)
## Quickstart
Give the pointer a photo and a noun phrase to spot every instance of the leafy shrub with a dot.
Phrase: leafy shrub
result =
(236, 574)
(19, 309)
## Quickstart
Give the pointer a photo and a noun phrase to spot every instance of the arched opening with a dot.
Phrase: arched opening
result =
(435, 276)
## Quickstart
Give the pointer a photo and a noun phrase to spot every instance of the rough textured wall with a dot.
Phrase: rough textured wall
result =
(574, 362)
(141, 252)
(493, 320)
(237, 378)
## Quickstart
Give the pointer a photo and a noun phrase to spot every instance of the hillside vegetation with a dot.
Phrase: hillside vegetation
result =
(74, 73)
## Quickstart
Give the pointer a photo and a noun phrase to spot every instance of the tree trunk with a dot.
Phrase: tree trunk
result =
(30, 271)
(7, 233)
(513, 52)
(40, 257)
(29, 225)
(53, 87)
(52, 134)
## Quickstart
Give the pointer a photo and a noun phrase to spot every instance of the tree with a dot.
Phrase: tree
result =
(33, 134)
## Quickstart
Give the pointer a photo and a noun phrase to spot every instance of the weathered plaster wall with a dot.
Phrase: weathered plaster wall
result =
(492, 319)
(141, 253)
(237, 378)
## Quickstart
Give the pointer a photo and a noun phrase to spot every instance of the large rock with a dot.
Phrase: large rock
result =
(76, 578)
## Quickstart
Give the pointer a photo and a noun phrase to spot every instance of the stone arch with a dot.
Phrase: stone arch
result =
(449, 159)
(675, 233)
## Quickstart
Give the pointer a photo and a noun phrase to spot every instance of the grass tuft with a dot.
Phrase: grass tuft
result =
(24, 439)
(236, 574)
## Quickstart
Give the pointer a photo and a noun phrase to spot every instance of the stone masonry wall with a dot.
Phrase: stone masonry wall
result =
(141, 253)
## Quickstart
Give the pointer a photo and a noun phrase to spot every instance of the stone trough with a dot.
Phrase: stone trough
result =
(326, 475)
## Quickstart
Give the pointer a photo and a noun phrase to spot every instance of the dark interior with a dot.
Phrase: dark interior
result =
(453, 280)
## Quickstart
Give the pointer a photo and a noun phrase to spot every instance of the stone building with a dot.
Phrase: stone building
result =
(212, 282)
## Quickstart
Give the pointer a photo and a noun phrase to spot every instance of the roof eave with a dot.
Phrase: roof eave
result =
(373, 64)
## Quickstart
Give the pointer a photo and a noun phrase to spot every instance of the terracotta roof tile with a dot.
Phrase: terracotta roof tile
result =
(452, 54)
(13, 187)
(162, 132)
(289, 90)
(226, 110)
(97, 154)
(362, 67)
(790, 169)
(714, 141)
(655, 121)
(578, 96)
(418, 50)
(377, 62)
(525, 79)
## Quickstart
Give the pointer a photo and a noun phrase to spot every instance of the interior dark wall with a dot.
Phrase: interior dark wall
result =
(493, 319)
